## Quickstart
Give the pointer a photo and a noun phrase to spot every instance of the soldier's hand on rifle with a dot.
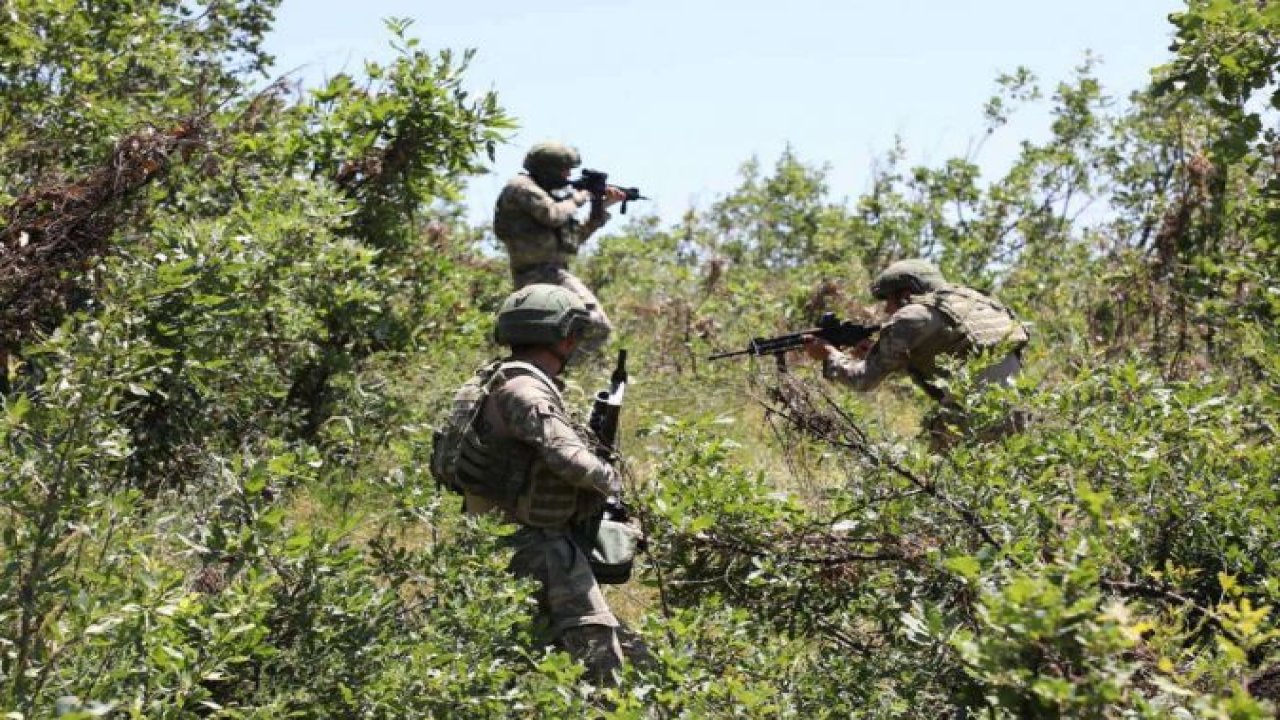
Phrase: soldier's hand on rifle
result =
(820, 350)
(863, 347)
(613, 195)
(817, 348)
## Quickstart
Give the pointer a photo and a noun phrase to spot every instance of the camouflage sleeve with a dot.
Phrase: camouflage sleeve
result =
(534, 416)
(596, 220)
(539, 204)
(891, 353)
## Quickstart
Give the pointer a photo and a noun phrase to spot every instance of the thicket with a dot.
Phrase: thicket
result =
(232, 311)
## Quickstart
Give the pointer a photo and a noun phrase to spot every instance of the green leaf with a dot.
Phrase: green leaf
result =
(966, 566)
(17, 409)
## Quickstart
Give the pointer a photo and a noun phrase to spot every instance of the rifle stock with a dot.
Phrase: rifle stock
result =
(607, 407)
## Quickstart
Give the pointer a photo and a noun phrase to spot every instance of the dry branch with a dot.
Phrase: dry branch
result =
(54, 231)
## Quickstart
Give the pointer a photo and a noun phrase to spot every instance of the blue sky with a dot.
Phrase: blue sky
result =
(674, 96)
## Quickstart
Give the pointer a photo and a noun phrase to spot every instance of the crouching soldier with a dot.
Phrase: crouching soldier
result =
(931, 319)
(512, 449)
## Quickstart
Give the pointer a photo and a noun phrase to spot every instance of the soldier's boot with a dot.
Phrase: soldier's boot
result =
(596, 646)
(1013, 423)
(634, 648)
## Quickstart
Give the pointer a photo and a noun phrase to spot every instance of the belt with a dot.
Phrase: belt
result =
(539, 266)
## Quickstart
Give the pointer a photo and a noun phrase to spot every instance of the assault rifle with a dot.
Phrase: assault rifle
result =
(603, 421)
(840, 333)
(609, 540)
(607, 407)
(597, 183)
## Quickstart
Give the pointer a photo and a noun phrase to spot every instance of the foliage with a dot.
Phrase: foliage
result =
(85, 73)
(213, 445)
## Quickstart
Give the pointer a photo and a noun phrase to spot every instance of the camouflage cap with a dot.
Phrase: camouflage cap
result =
(916, 274)
(540, 315)
(551, 159)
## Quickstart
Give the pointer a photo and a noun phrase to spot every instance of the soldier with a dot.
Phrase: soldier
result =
(530, 464)
(534, 219)
(930, 318)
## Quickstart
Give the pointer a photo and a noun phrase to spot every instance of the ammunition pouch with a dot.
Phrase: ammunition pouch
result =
(494, 469)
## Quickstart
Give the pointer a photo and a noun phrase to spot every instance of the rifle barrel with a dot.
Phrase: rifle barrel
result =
(730, 353)
(765, 346)
(837, 333)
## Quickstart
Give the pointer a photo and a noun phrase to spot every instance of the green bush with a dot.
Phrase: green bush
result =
(215, 435)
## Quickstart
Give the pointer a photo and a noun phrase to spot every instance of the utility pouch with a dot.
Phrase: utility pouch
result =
(613, 552)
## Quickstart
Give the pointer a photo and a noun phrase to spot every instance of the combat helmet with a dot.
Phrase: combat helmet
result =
(548, 160)
(916, 274)
(540, 315)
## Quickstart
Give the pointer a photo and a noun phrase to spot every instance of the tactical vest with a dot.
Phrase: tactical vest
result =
(551, 501)
(464, 458)
(983, 321)
(527, 240)
(976, 323)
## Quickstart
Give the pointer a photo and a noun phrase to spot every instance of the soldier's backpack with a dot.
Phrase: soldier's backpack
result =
(463, 460)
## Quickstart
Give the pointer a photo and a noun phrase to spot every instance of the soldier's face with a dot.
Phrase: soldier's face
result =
(567, 351)
(896, 303)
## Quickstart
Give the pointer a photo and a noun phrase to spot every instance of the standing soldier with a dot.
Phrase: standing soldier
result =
(511, 448)
(930, 318)
(534, 219)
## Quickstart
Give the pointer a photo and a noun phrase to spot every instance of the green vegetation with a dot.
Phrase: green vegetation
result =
(231, 315)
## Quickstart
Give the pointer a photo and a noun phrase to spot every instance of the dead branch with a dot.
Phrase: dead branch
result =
(54, 231)
(797, 402)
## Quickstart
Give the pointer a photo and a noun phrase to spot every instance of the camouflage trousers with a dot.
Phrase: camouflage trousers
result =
(556, 274)
(570, 600)
(947, 425)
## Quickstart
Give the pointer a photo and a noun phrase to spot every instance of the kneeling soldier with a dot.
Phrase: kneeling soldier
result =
(931, 319)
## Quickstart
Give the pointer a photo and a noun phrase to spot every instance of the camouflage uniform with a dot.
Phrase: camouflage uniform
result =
(541, 234)
(949, 321)
(567, 483)
(954, 321)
